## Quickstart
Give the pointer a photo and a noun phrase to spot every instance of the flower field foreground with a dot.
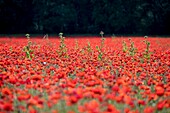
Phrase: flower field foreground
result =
(85, 75)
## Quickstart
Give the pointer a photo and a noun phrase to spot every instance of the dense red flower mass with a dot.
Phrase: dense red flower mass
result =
(85, 74)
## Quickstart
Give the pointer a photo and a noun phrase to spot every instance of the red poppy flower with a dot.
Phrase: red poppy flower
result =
(126, 110)
(12, 80)
(32, 102)
(159, 90)
(115, 88)
(92, 106)
(149, 109)
(160, 105)
(33, 111)
(80, 74)
(6, 91)
(36, 77)
(112, 109)
(24, 97)
(141, 102)
(8, 106)
(55, 96)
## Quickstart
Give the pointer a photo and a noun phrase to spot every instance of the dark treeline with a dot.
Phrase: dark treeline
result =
(135, 17)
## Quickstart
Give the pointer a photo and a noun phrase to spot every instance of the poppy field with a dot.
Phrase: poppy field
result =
(84, 74)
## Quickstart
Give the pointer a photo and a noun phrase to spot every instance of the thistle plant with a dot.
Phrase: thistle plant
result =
(62, 43)
(62, 48)
(102, 39)
(89, 49)
(27, 48)
(100, 49)
(132, 49)
(101, 33)
(45, 36)
(47, 40)
(125, 48)
(28, 40)
(147, 53)
(100, 54)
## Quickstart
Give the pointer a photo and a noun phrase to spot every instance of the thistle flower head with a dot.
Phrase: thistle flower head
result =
(27, 35)
(101, 33)
(145, 36)
(60, 34)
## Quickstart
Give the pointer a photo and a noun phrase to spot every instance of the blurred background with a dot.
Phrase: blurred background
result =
(125, 17)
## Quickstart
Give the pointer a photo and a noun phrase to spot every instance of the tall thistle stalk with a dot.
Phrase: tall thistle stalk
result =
(125, 48)
(147, 53)
(62, 48)
(132, 49)
(27, 49)
(129, 50)
(100, 48)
